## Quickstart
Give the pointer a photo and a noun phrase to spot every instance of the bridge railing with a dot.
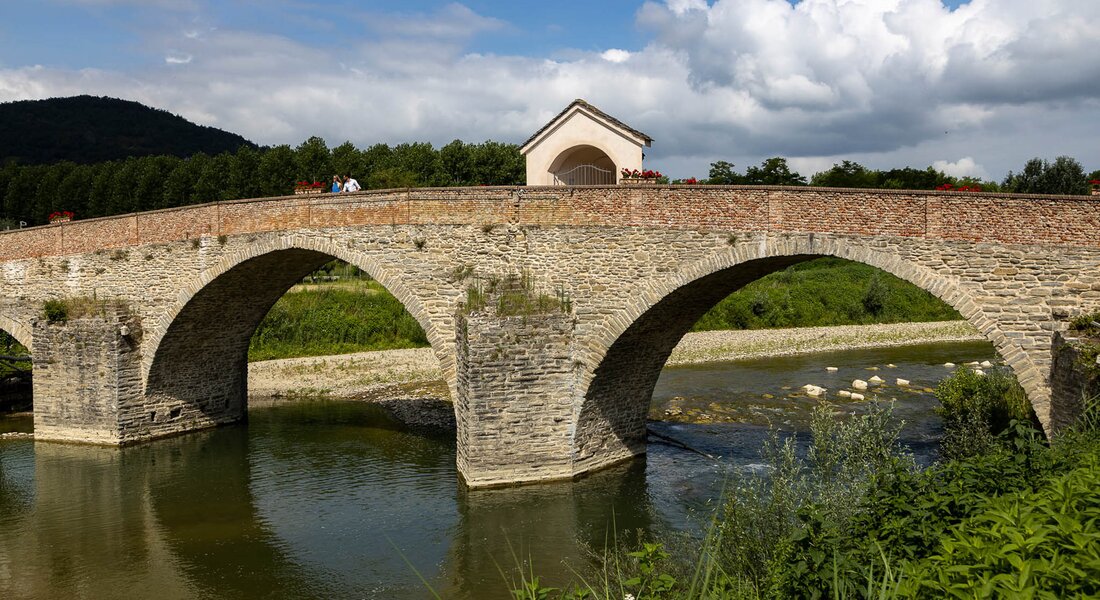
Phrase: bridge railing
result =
(1014, 219)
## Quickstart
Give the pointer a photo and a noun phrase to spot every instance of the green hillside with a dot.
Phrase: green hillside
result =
(88, 129)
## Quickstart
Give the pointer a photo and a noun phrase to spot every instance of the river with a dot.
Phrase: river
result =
(330, 499)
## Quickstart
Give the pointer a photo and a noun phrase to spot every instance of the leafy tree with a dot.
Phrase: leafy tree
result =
(313, 161)
(276, 172)
(346, 158)
(1064, 176)
(722, 173)
(909, 178)
(773, 171)
(494, 163)
(243, 180)
(213, 178)
(848, 174)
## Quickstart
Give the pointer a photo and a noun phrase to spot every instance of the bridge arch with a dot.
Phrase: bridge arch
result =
(626, 358)
(18, 330)
(193, 348)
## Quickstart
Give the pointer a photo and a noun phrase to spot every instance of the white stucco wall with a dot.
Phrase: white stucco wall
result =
(578, 128)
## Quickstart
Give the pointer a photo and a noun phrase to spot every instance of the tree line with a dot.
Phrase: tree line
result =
(30, 193)
(1064, 175)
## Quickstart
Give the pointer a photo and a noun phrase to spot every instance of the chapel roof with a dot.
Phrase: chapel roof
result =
(580, 102)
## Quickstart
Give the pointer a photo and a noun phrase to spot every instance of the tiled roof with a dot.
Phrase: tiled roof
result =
(595, 111)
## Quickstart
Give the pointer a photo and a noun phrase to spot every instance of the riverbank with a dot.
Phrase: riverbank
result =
(414, 373)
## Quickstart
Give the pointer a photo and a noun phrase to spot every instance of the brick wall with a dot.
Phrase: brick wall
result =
(976, 217)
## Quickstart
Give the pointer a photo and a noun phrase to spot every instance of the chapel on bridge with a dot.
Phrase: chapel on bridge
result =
(583, 146)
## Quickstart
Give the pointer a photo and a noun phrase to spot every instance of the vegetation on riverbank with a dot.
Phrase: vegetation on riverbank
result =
(353, 316)
(327, 317)
(851, 516)
(825, 291)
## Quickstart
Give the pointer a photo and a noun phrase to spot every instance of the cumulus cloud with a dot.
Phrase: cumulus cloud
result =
(964, 167)
(886, 82)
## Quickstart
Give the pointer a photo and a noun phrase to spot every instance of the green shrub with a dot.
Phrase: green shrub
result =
(1031, 544)
(761, 513)
(976, 409)
(56, 311)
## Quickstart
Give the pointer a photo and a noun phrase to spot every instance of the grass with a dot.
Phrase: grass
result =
(336, 319)
(825, 291)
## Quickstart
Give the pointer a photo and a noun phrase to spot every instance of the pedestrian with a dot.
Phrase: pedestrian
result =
(336, 185)
(351, 185)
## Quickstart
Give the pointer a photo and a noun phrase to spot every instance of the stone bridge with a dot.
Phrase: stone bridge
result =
(161, 305)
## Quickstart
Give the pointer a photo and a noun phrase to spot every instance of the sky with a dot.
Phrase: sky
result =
(972, 88)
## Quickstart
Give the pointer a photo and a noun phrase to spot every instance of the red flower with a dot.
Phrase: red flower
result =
(1094, 182)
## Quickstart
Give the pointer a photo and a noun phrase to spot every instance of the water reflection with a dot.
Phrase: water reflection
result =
(330, 499)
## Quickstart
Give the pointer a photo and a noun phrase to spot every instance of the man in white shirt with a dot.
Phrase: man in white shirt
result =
(351, 185)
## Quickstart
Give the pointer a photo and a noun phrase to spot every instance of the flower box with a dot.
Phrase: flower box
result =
(1095, 184)
(61, 216)
(306, 187)
(636, 177)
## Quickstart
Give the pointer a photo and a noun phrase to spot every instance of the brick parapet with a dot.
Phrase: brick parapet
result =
(952, 216)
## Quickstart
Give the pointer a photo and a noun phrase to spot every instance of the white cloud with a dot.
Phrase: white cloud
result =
(885, 82)
(615, 55)
(178, 59)
(964, 167)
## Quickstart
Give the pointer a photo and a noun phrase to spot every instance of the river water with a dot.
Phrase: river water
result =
(334, 500)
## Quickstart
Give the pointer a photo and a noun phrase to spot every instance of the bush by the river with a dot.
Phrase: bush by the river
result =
(338, 318)
(825, 291)
(854, 518)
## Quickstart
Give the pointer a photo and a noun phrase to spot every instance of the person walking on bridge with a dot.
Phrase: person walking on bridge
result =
(337, 187)
(350, 184)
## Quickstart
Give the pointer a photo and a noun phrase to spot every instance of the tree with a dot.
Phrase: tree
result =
(722, 173)
(276, 172)
(346, 158)
(773, 171)
(848, 174)
(1064, 176)
(313, 161)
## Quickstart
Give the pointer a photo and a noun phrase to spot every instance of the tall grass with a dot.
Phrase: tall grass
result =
(332, 319)
(825, 291)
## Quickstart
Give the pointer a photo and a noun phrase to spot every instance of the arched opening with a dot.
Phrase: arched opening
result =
(16, 397)
(613, 418)
(583, 165)
(198, 367)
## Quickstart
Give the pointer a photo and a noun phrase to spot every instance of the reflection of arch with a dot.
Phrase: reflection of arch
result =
(583, 164)
(629, 355)
(196, 352)
(19, 331)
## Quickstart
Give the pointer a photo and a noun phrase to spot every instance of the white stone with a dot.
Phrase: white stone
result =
(891, 366)
(986, 364)
(831, 369)
(979, 372)
(844, 394)
(876, 380)
(857, 396)
(859, 384)
(902, 382)
(949, 365)
(813, 390)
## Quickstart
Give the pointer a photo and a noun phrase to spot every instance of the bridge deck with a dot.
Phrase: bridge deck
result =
(962, 216)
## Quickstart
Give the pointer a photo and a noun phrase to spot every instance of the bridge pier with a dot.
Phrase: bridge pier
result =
(516, 382)
(87, 375)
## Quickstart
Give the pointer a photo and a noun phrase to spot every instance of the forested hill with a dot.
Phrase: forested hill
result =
(88, 129)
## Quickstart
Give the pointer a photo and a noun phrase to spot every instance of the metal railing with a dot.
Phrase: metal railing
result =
(585, 175)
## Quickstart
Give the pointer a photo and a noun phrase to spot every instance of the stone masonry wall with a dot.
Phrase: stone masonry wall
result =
(1072, 380)
(87, 377)
(516, 380)
(637, 263)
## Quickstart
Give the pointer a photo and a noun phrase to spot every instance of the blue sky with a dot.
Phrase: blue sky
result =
(974, 88)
